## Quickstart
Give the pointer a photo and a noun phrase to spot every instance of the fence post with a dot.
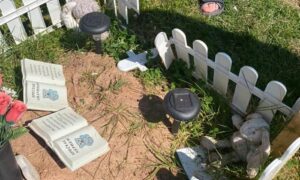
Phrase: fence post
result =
(266, 108)
(15, 26)
(181, 45)
(200, 58)
(164, 49)
(242, 95)
(222, 68)
(287, 136)
(36, 18)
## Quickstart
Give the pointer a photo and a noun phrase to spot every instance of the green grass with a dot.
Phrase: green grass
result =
(263, 34)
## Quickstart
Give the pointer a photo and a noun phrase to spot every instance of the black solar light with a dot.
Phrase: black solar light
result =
(95, 24)
(182, 105)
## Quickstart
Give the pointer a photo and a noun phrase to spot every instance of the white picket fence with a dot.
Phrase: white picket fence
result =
(270, 99)
(11, 16)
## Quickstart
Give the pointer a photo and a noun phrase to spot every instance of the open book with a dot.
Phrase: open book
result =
(68, 134)
(43, 85)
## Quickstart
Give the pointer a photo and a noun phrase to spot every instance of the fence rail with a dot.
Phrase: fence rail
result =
(270, 99)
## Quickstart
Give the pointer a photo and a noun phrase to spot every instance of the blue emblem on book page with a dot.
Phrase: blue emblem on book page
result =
(84, 140)
(50, 94)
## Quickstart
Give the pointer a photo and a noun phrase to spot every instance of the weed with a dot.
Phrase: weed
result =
(178, 75)
(120, 41)
(90, 78)
(165, 159)
(100, 94)
(117, 85)
(152, 77)
(151, 125)
(118, 115)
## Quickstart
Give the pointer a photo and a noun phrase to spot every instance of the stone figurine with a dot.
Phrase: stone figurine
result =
(74, 10)
(251, 143)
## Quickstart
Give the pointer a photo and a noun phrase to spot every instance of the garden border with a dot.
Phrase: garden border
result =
(270, 99)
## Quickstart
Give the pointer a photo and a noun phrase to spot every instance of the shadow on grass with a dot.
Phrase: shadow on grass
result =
(272, 62)
(73, 40)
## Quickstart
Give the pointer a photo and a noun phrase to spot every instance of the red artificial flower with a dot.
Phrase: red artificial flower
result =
(16, 111)
(5, 101)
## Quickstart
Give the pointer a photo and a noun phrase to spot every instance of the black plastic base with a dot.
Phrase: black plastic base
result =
(9, 169)
(175, 127)
(98, 47)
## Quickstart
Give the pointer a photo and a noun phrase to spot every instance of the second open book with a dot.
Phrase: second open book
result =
(68, 134)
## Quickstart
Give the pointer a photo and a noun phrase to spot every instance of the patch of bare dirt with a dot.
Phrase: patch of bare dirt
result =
(293, 3)
(117, 105)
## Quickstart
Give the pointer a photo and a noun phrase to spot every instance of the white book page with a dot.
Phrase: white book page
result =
(58, 124)
(46, 97)
(42, 72)
(80, 147)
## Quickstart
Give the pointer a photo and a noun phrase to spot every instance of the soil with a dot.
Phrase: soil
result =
(293, 3)
(118, 106)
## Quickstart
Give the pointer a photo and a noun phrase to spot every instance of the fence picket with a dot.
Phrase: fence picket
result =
(164, 49)
(222, 66)
(201, 55)
(242, 95)
(114, 5)
(36, 18)
(180, 45)
(266, 108)
(134, 4)
(123, 10)
(54, 12)
(15, 26)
